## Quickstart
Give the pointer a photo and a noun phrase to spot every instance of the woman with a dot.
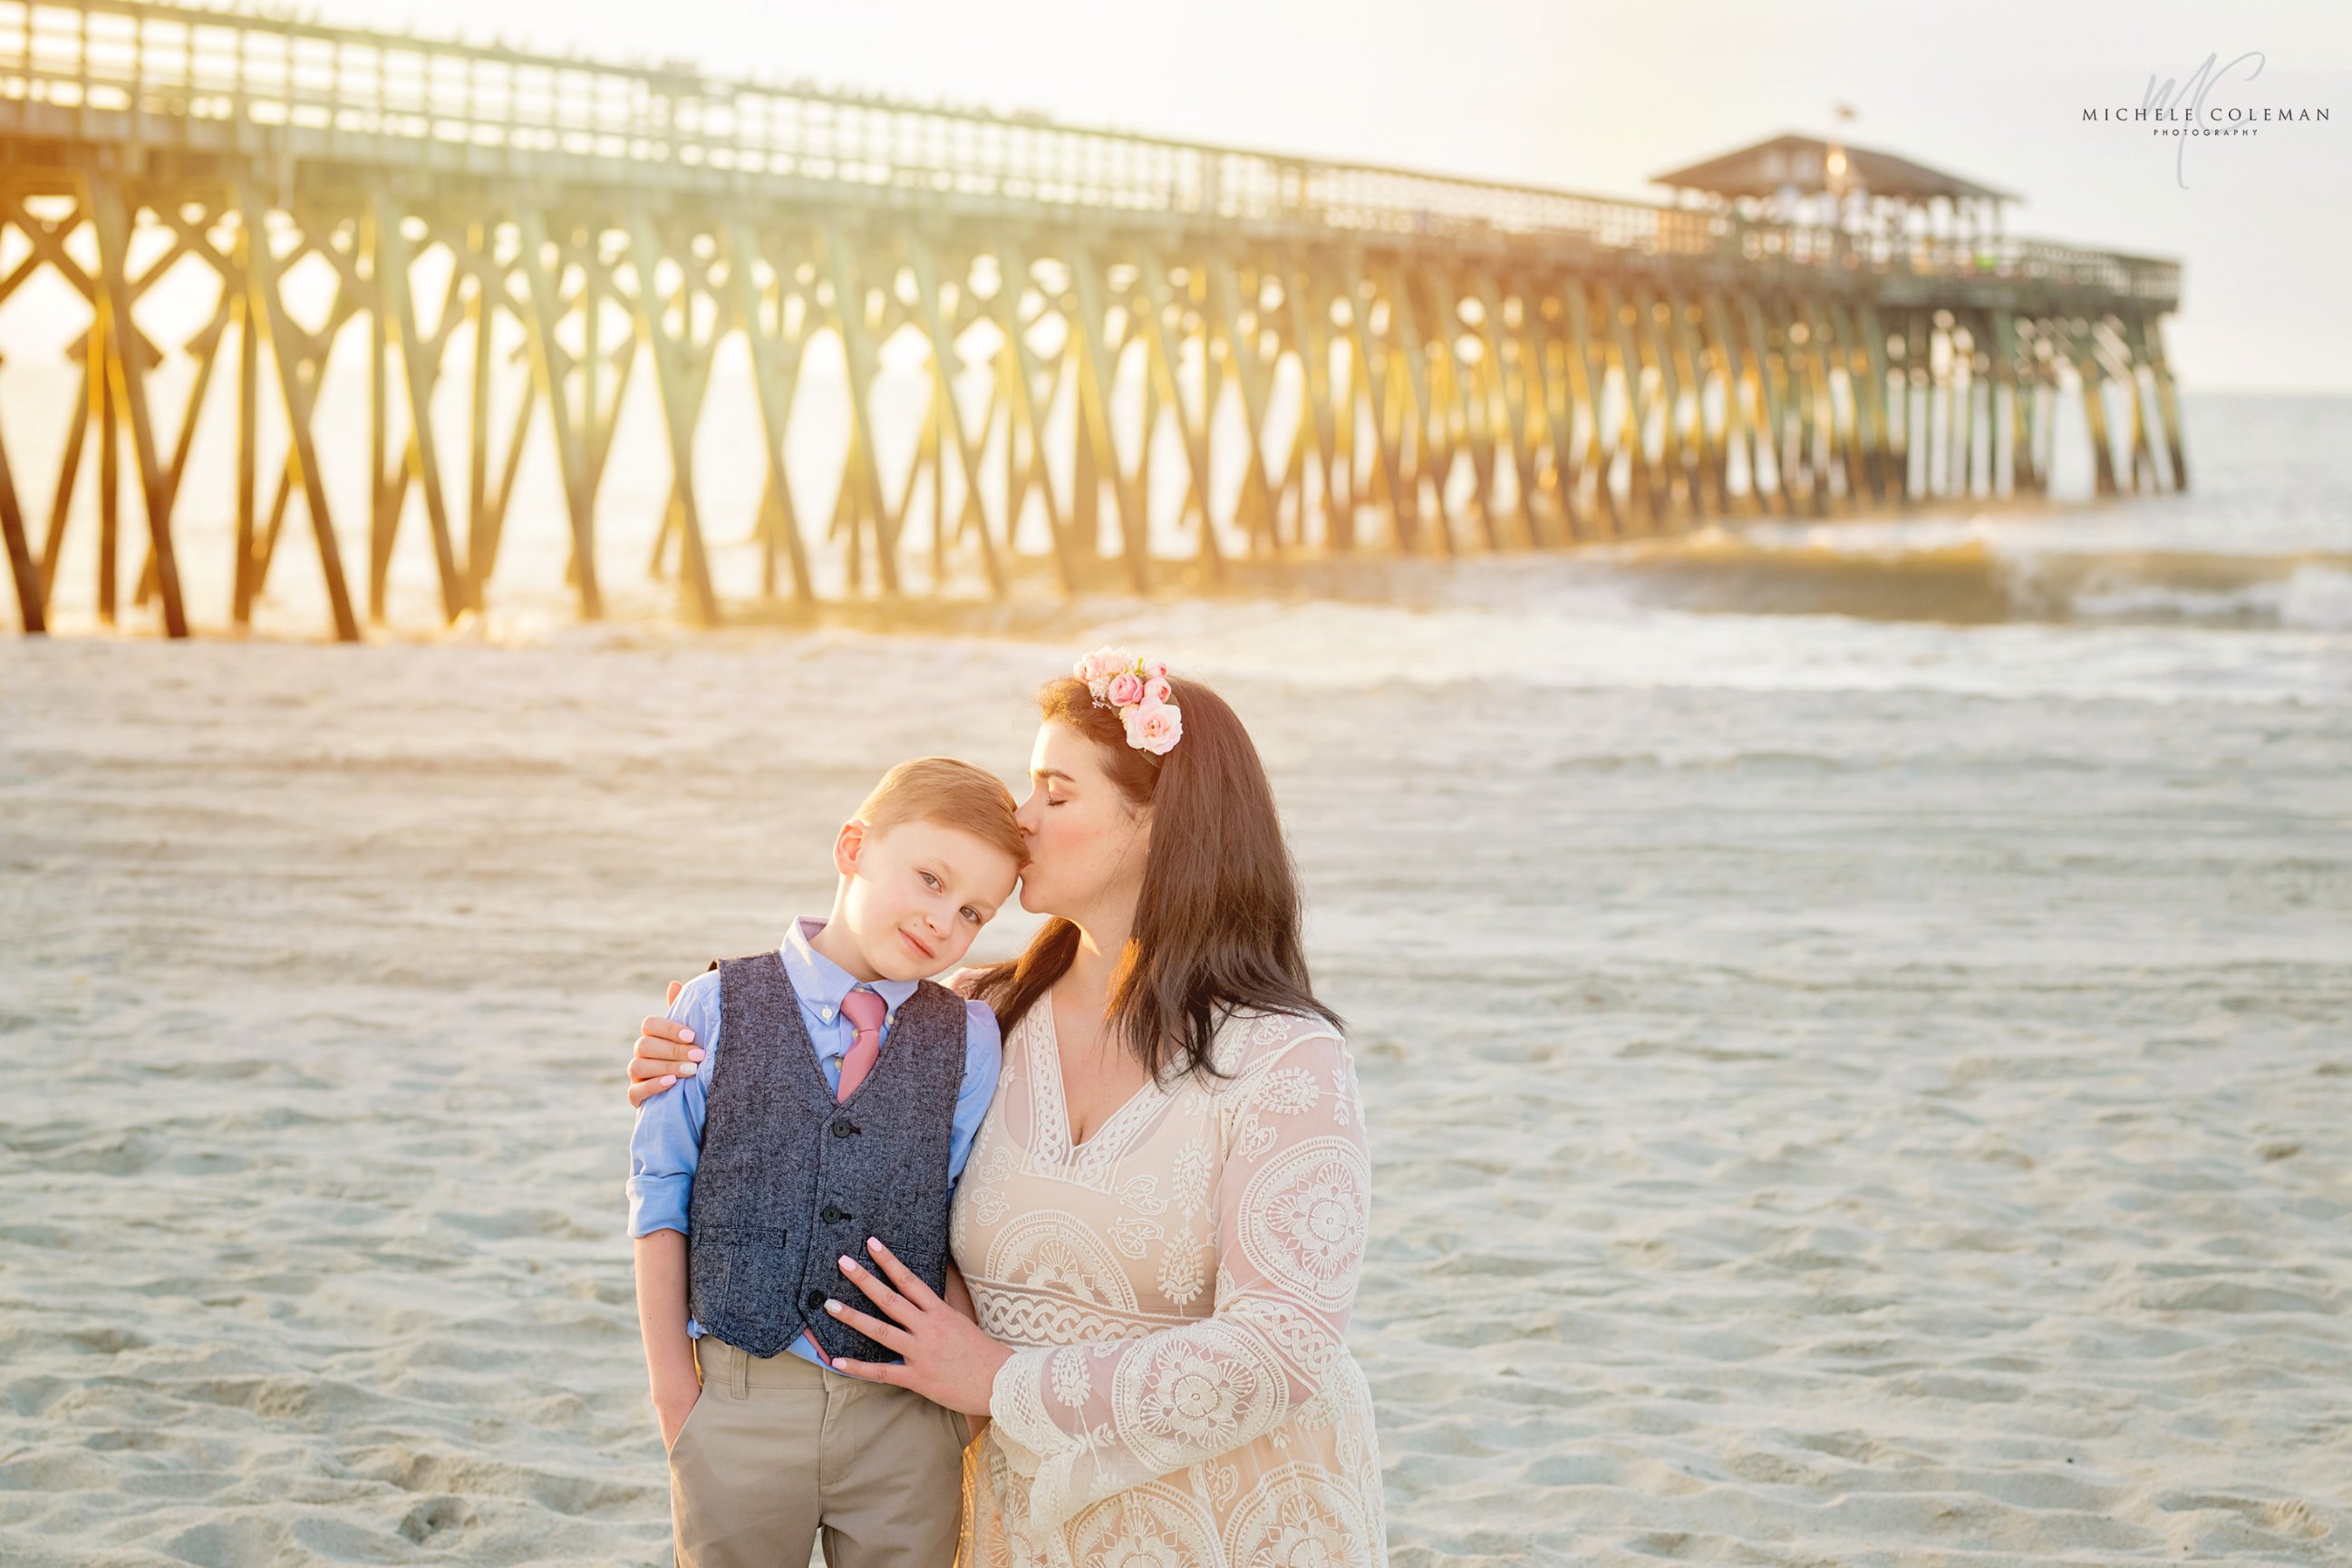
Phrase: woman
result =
(1163, 1216)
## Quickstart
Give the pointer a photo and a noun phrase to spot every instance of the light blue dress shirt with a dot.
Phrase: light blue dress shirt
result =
(667, 1143)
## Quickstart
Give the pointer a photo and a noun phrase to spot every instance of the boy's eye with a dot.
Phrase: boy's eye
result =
(930, 881)
(972, 914)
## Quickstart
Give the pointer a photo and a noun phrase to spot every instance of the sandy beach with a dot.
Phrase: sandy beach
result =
(1859, 1095)
(1791, 572)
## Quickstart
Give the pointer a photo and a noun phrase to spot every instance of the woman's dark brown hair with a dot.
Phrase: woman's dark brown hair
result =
(1217, 922)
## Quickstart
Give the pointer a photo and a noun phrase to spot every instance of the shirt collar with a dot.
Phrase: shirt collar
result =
(822, 983)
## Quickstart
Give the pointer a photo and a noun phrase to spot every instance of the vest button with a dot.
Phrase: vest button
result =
(814, 1301)
(834, 1216)
(845, 1129)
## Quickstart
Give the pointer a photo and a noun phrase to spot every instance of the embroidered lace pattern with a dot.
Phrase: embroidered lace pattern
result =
(1179, 1286)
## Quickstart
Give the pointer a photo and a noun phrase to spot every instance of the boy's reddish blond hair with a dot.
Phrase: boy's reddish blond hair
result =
(951, 794)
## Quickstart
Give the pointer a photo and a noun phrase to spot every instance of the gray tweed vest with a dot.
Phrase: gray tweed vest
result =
(789, 1181)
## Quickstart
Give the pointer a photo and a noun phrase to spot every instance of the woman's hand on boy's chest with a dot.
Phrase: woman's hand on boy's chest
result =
(950, 1359)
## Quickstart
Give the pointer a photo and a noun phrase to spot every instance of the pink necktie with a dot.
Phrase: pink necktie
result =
(864, 1012)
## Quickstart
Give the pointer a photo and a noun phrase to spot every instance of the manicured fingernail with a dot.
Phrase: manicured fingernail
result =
(848, 1264)
(686, 1035)
(667, 1081)
(695, 1055)
(872, 1245)
(688, 1070)
(832, 1306)
(841, 1363)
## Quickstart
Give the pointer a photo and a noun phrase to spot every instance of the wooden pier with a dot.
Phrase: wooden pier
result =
(1405, 363)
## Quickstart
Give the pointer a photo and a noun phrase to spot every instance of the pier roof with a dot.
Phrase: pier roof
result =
(1780, 161)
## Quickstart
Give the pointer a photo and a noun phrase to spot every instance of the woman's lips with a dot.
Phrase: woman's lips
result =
(912, 943)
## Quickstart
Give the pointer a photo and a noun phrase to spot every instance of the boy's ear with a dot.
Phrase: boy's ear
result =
(847, 844)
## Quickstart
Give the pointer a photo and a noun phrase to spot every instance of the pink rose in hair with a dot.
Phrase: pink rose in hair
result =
(1154, 727)
(1099, 665)
(1124, 689)
(1157, 689)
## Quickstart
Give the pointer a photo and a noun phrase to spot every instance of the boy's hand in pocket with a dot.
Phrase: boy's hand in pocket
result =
(671, 1408)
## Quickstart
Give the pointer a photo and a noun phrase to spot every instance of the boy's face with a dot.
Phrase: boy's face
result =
(918, 893)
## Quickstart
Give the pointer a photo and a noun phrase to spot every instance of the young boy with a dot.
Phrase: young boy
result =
(837, 1099)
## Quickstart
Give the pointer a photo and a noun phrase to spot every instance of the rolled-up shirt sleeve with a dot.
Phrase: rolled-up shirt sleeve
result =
(666, 1144)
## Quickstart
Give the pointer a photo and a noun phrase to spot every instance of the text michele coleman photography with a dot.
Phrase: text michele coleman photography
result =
(1247, 785)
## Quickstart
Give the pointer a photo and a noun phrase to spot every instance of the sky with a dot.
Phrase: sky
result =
(1597, 99)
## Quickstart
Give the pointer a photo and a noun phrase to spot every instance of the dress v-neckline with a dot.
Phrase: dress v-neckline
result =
(1072, 1145)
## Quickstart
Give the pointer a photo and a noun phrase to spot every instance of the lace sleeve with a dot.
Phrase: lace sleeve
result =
(1293, 1202)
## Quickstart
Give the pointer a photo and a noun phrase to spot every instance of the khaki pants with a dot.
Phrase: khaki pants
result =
(775, 1448)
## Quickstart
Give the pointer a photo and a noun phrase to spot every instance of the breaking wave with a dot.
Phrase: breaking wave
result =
(1976, 581)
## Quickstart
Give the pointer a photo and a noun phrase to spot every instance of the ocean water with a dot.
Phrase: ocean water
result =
(1853, 1021)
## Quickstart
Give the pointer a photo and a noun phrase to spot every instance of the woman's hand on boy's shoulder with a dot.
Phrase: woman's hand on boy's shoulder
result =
(666, 1052)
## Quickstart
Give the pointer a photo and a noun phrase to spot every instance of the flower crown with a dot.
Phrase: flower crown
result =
(1138, 688)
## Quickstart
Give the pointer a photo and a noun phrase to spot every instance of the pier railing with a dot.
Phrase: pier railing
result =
(128, 70)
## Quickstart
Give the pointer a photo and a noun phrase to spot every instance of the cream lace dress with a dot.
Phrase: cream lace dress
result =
(1177, 1288)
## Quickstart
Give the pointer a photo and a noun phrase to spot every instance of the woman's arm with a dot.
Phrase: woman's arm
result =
(959, 1296)
(667, 1051)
